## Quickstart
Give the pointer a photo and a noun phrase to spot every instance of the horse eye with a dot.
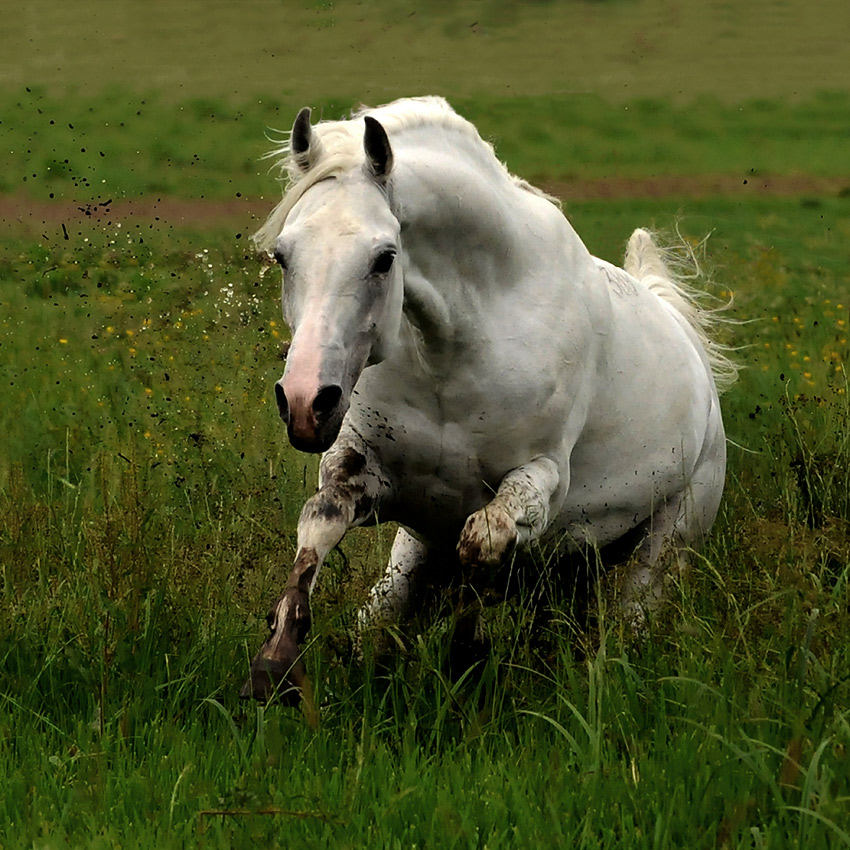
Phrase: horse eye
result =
(383, 262)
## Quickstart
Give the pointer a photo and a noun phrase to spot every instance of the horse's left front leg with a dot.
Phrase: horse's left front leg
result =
(519, 513)
(350, 488)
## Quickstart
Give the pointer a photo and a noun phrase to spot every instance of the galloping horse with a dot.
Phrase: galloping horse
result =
(472, 373)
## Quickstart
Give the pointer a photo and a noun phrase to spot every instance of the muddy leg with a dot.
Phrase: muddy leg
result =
(278, 668)
(518, 514)
(350, 489)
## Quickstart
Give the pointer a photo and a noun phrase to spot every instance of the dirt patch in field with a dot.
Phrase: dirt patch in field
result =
(33, 214)
(706, 186)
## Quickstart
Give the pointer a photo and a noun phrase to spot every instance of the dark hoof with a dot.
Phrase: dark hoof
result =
(273, 680)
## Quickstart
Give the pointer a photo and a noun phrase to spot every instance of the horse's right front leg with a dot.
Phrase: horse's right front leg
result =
(350, 489)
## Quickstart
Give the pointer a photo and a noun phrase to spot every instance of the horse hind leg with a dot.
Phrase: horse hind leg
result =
(680, 523)
(413, 580)
(641, 585)
(392, 597)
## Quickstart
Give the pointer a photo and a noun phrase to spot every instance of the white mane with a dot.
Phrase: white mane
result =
(340, 149)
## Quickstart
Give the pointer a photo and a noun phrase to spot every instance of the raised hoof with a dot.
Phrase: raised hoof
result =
(488, 537)
(272, 680)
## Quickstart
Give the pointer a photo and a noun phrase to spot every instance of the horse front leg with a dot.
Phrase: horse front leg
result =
(350, 489)
(518, 514)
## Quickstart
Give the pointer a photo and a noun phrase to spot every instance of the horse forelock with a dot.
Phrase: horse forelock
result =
(341, 151)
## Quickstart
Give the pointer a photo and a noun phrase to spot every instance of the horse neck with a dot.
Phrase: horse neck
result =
(470, 232)
(460, 216)
(457, 186)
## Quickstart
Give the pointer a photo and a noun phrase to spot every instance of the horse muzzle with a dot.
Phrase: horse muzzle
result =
(312, 420)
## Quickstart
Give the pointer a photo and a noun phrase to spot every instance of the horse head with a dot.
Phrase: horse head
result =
(342, 286)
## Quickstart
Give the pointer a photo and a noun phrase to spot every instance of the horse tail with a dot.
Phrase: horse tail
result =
(669, 272)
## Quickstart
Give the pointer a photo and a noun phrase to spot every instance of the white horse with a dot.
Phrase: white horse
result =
(471, 372)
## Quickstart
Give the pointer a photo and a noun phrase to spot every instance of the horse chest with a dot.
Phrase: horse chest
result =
(481, 409)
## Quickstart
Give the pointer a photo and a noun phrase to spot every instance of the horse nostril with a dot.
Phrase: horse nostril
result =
(282, 404)
(326, 401)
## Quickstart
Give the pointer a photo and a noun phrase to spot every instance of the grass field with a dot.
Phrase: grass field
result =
(148, 499)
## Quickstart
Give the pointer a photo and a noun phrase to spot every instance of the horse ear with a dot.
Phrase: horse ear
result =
(301, 140)
(379, 154)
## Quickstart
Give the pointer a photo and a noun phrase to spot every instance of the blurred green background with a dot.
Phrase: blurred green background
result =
(119, 99)
(374, 51)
